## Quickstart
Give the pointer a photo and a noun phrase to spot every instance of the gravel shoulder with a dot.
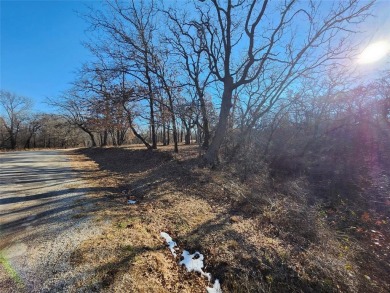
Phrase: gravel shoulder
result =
(46, 212)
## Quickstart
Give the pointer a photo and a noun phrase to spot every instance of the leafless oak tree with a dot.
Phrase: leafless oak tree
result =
(15, 110)
(277, 42)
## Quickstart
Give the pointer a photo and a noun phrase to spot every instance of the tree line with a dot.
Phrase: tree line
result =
(21, 128)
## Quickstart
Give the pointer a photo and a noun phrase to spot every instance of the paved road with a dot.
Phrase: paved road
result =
(45, 213)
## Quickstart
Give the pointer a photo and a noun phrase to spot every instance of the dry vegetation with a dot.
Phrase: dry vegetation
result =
(261, 235)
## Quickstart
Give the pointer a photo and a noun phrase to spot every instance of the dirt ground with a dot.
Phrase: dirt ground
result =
(257, 236)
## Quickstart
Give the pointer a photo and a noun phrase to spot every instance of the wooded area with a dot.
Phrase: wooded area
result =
(230, 77)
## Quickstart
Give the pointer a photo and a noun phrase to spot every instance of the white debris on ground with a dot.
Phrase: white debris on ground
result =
(170, 242)
(193, 263)
(130, 201)
(216, 288)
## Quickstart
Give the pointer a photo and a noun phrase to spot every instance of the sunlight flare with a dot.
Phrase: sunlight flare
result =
(374, 52)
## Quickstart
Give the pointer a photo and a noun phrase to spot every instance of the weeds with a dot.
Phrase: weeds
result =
(260, 234)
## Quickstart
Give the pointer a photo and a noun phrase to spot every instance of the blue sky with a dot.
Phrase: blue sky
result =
(41, 47)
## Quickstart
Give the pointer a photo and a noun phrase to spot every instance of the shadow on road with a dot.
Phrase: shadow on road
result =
(39, 190)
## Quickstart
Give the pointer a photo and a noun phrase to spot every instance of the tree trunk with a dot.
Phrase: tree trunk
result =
(174, 128)
(105, 136)
(152, 124)
(89, 133)
(12, 136)
(149, 147)
(28, 142)
(205, 122)
(120, 136)
(13, 141)
(91, 137)
(151, 107)
(164, 137)
(212, 155)
(168, 134)
(113, 138)
(187, 139)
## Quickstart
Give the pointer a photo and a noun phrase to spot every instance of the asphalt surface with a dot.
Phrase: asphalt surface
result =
(45, 213)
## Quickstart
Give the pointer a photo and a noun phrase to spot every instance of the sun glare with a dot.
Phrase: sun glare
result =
(374, 52)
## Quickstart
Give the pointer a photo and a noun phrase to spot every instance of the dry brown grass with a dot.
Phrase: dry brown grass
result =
(257, 236)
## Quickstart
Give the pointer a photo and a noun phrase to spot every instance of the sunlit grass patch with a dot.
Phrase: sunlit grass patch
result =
(11, 271)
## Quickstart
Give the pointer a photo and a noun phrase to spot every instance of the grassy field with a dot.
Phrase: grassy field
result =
(261, 234)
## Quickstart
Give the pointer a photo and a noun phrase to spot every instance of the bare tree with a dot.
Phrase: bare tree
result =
(15, 112)
(382, 88)
(99, 83)
(165, 72)
(76, 111)
(127, 97)
(131, 28)
(56, 131)
(32, 127)
(185, 41)
(245, 40)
